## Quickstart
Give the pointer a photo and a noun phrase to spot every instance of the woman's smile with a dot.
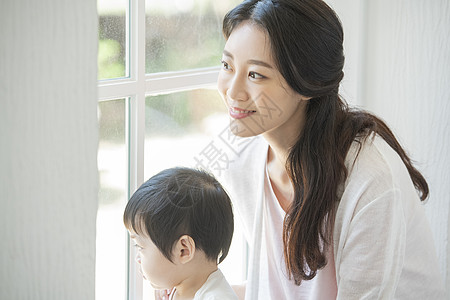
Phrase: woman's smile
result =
(239, 113)
(251, 86)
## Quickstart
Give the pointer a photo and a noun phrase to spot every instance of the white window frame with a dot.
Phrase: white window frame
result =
(135, 89)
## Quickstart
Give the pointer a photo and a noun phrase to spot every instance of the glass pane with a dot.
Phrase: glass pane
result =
(185, 120)
(184, 34)
(111, 258)
(112, 39)
(179, 127)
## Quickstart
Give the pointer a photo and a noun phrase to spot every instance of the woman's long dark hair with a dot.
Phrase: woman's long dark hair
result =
(307, 43)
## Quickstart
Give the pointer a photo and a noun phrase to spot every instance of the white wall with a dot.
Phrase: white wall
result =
(398, 66)
(48, 149)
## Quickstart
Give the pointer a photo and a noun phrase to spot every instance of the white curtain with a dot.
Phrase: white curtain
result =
(48, 149)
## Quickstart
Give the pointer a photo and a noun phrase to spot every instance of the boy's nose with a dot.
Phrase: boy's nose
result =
(138, 258)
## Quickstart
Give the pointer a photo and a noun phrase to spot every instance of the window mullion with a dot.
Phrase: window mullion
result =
(115, 89)
(163, 83)
(136, 123)
(137, 103)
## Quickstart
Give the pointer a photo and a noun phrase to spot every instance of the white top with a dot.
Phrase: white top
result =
(272, 263)
(382, 244)
(215, 287)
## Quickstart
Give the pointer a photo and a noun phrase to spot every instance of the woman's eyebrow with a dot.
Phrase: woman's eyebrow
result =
(250, 61)
(227, 53)
(259, 63)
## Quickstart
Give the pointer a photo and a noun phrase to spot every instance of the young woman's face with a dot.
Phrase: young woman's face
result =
(154, 266)
(258, 98)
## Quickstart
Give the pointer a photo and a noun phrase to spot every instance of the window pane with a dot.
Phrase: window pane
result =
(112, 39)
(184, 34)
(111, 257)
(179, 127)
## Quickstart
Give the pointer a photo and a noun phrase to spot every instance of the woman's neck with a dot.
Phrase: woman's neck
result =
(279, 178)
(281, 140)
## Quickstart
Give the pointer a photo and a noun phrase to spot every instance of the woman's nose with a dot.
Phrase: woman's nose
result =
(237, 90)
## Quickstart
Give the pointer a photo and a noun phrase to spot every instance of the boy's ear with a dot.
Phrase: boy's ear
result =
(184, 249)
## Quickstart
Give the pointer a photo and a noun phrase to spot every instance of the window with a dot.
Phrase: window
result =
(158, 108)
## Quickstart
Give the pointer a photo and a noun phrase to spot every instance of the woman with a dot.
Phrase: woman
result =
(330, 201)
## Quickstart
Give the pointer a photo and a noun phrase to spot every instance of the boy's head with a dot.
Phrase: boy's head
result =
(180, 202)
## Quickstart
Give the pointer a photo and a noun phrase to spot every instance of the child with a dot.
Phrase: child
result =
(181, 221)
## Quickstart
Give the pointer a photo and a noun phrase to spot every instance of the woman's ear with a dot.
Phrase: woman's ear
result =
(304, 98)
(184, 249)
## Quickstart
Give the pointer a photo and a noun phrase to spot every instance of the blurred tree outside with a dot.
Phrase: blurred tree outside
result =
(111, 46)
(180, 35)
(110, 65)
(184, 34)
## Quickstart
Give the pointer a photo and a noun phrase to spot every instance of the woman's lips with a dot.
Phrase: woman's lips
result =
(239, 113)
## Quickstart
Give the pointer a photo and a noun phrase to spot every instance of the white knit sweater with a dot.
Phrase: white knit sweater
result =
(382, 243)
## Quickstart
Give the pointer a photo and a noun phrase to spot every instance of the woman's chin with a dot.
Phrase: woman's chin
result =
(240, 129)
(156, 286)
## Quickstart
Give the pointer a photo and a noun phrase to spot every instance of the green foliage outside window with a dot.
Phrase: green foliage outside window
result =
(110, 64)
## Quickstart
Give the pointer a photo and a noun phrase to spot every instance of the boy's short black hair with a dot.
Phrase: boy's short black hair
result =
(179, 201)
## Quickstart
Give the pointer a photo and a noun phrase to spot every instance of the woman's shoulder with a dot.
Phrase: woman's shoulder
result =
(247, 148)
(245, 153)
(375, 171)
(372, 156)
(238, 161)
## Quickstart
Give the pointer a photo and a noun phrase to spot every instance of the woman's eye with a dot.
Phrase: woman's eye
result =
(225, 65)
(255, 75)
(138, 247)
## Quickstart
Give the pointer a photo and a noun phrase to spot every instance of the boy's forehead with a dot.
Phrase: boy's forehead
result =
(133, 234)
(136, 236)
(137, 231)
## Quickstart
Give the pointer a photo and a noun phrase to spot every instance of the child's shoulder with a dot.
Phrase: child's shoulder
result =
(216, 287)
